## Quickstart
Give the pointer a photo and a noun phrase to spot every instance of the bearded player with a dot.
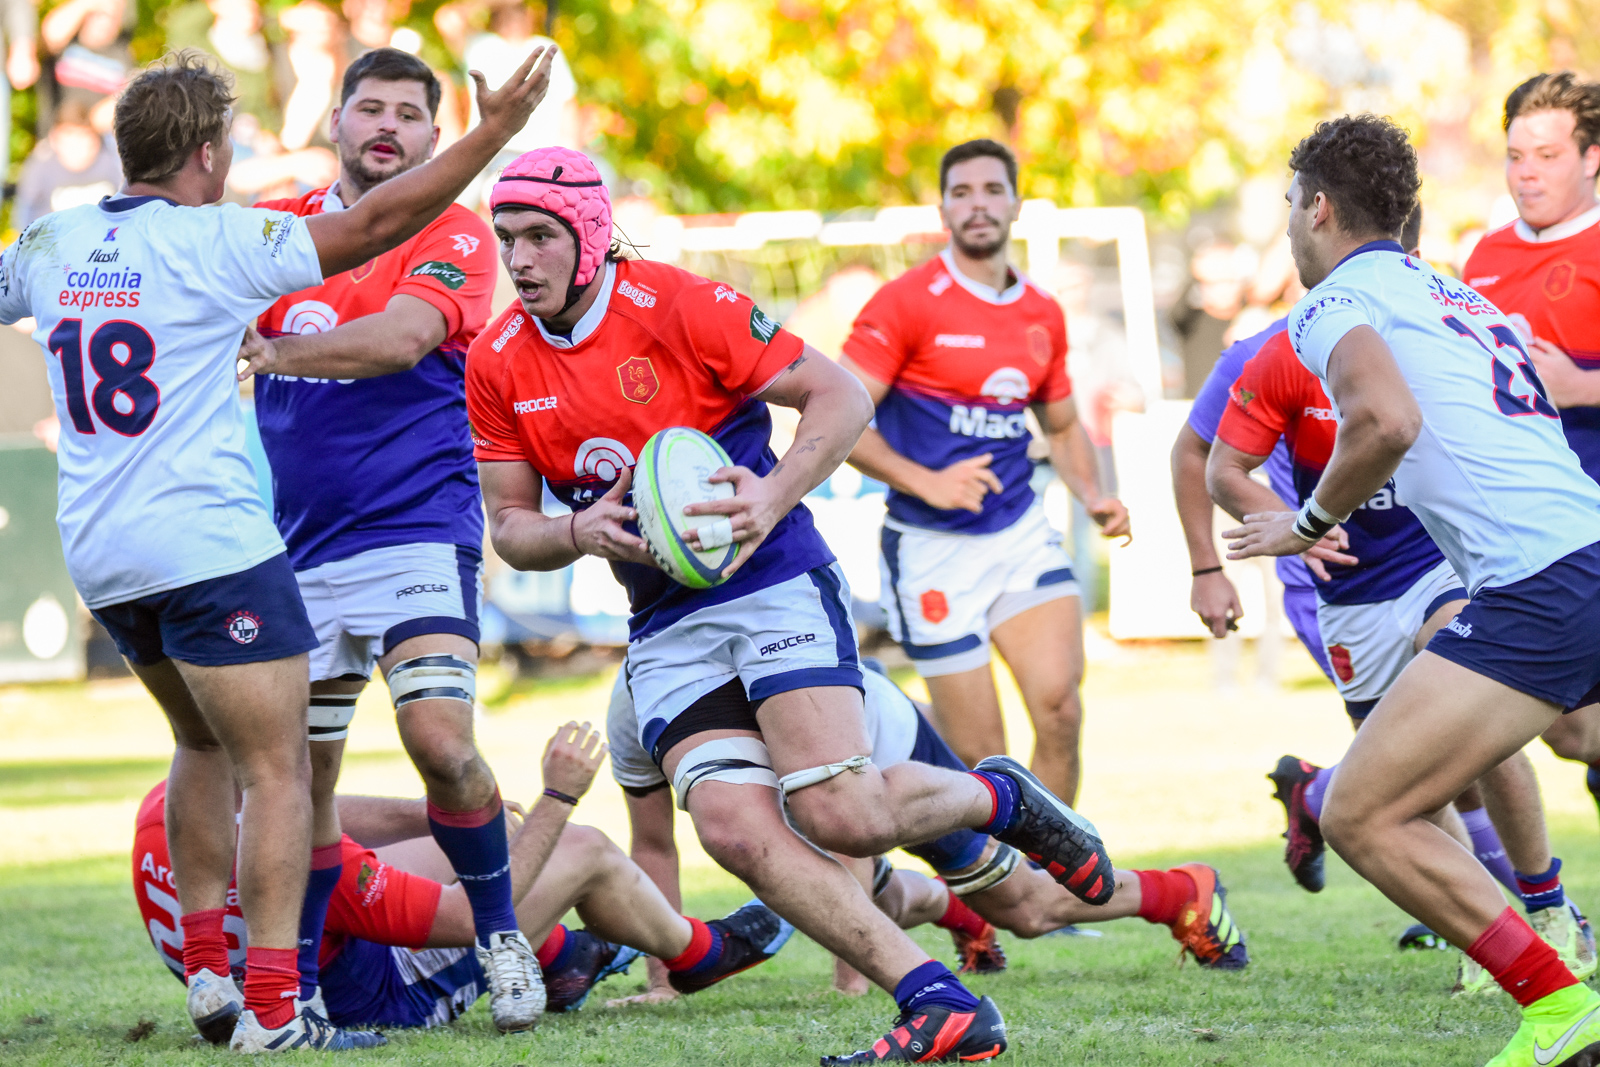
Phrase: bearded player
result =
(141, 302)
(361, 400)
(1538, 271)
(564, 390)
(954, 353)
(1434, 388)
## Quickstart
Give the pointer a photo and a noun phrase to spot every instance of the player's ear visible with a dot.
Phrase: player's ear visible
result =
(1591, 161)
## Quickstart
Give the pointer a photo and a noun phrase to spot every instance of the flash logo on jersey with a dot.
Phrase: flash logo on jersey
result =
(244, 627)
(465, 243)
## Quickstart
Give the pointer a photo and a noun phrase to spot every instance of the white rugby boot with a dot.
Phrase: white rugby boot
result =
(214, 1004)
(516, 987)
(307, 1030)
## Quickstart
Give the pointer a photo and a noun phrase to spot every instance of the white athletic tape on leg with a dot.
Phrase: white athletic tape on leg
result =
(736, 760)
(718, 534)
(999, 867)
(328, 716)
(433, 678)
(818, 775)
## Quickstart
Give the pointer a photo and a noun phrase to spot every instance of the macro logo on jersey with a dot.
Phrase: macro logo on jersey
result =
(637, 376)
(446, 274)
(309, 316)
(244, 626)
(1006, 386)
(1558, 283)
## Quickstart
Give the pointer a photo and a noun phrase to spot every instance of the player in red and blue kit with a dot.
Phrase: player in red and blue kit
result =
(750, 688)
(955, 353)
(361, 400)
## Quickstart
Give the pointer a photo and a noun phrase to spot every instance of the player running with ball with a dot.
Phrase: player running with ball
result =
(1434, 388)
(141, 301)
(564, 390)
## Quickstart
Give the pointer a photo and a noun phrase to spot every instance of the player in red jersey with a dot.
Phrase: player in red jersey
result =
(1540, 271)
(954, 354)
(564, 390)
(360, 396)
(397, 947)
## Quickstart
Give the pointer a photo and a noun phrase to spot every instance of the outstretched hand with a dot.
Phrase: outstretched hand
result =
(507, 109)
(572, 758)
(1271, 533)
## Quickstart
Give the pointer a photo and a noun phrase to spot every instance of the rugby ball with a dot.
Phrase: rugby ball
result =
(674, 471)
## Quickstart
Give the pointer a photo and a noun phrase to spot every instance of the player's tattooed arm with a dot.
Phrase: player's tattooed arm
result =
(530, 540)
(1073, 457)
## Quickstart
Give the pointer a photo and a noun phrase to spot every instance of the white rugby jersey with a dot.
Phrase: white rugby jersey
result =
(1490, 476)
(140, 307)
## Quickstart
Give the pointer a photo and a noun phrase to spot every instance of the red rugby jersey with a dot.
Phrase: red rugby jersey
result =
(661, 347)
(962, 363)
(1555, 285)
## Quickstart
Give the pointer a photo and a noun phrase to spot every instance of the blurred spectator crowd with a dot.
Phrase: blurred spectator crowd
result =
(287, 61)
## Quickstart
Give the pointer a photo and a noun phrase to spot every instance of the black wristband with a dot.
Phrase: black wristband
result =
(556, 794)
(1206, 570)
(1310, 528)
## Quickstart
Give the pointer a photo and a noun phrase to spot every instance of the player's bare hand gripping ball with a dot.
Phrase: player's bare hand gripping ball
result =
(753, 510)
(572, 758)
(597, 529)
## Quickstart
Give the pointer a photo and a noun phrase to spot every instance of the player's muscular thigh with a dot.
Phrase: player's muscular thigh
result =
(807, 728)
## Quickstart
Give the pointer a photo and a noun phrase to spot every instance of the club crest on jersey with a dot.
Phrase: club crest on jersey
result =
(1039, 344)
(465, 243)
(1558, 283)
(363, 272)
(244, 627)
(637, 376)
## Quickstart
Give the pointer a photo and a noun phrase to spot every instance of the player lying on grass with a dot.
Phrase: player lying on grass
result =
(982, 885)
(140, 302)
(1381, 599)
(398, 948)
(1434, 388)
(564, 389)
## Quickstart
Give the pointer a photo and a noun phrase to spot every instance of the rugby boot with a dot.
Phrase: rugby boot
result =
(935, 1035)
(1419, 937)
(1472, 980)
(981, 954)
(1567, 931)
(307, 1030)
(751, 935)
(214, 1004)
(516, 988)
(591, 962)
(1305, 850)
(1205, 928)
(1063, 842)
(1560, 1030)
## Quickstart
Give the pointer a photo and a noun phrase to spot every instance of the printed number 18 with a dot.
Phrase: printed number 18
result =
(1508, 402)
(118, 377)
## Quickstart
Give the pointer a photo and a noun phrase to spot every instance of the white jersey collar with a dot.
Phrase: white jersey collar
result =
(331, 200)
(1560, 229)
(987, 293)
(591, 319)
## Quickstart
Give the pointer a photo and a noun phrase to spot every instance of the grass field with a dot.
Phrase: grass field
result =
(1174, 773)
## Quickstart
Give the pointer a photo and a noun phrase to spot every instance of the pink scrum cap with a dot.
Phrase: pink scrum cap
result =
(565, 185)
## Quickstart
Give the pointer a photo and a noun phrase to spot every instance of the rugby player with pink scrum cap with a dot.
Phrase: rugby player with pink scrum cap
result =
(750, 691)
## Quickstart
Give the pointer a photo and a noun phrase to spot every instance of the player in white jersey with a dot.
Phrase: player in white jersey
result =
(140, 303)
(1433, 387)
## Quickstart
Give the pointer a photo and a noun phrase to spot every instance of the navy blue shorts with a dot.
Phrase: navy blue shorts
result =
(248, 617)
(1537, 635)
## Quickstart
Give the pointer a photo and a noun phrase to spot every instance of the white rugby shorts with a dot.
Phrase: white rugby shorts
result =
(1368, 645)
(944, 593)
(797, 634)
(363, 606)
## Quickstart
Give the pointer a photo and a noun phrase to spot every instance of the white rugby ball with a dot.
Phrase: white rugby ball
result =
(674, 471)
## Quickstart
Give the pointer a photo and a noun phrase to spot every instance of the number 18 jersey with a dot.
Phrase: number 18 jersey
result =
(1490, 475)
(140, 306)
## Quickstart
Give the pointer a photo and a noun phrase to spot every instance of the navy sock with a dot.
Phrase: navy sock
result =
(1006, 802)
(713, 954)
(475, 844)
(933, 986)
(323, 880)
(1540, 891)
(568, 947)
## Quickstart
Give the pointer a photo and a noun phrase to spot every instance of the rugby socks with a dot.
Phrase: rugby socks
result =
(1162, 895)
(1487, 847)
(205, 946)
(475, 844)
(1542, 890)
(705, 949)
(933, 986)
(327, 864)
(1316, 789)
(1519, 960)
(961, 919)
(555, 950)
(1006, 799)
(271, 983)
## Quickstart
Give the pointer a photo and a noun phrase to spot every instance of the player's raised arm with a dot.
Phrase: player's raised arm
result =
(400, 208)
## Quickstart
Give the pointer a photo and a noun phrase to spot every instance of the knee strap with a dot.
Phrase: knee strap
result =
(442, 677)
(882, 871)
(1002, 865)
(328, 716)
(736, 760)
(817, 775)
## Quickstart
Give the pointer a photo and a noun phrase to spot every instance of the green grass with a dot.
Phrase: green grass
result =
(31, 784)
(1325, 985)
